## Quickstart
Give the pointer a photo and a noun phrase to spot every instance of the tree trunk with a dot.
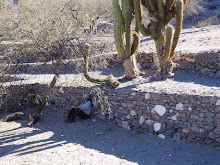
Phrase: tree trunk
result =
(131, 68)
(15, 116)
(34, 119)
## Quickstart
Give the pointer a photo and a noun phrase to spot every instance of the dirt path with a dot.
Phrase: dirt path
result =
(92, 142)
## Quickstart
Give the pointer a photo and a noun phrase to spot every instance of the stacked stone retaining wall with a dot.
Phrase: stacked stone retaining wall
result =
(187, 118)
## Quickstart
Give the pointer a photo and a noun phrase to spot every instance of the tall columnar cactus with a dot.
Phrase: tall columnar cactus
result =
(161, 13)
(127, 40)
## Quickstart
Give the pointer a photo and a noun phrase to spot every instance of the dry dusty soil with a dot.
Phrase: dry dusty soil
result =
(52, 141)
(92, 142)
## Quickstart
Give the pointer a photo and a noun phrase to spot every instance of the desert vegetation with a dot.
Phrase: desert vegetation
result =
(47, 31)
(54, 31)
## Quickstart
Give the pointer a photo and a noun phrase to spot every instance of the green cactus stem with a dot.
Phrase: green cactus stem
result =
(128, 26)
(168, 45)
(109, 80)
(119, 28)
(161, 13)
(179, 23)
(139, 18)
(152, 6)
(127, 41)
(160, 9)
(169, 5)
(136, 42)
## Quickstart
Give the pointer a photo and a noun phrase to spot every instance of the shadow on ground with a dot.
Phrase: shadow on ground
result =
(186, 76)
(102, 137)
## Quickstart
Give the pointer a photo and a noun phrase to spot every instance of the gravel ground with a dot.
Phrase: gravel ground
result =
(52, 141)
(92, 142)
(184, 82)
(193, 40)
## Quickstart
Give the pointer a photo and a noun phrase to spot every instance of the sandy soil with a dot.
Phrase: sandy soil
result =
(92, 142)
(193, 40)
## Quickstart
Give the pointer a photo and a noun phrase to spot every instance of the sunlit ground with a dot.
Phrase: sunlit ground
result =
(24, 145)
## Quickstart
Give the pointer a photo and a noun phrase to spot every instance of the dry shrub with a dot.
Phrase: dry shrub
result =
(193, 7)
(210, 21)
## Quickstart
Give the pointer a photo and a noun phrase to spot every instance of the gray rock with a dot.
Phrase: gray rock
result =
(195, 129)
(203, 71)
(193, 135)
(130, 105)
(209, 127)
(212, 135)
(180, 107)
(141, 120)
(161, 136)
(149, 122)
(209, 119)
(147, 96)
(123, 105)
(125, 125)
(217, 130)
(157, 127)
(184, 130)
(169, 133)
(161, 110)
(125, 112)
(194, 117)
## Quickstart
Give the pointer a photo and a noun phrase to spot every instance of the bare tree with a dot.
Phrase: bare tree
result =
(47, 29)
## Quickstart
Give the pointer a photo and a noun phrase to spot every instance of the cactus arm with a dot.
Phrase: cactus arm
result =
(119, 28)
(136, 43)
(109, 80)
(169, 4)
(168, 45)
(160, 46)
(128, 27)
(125, 4)
(139, 19)
(147, 4)
(144, 3)
(160, 9)
(179, 22)
(152, 6)
(168, 17)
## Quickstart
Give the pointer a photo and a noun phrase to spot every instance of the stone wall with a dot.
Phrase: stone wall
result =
(187, 118)
(182, 117)
(208, 64)
(205, 63)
